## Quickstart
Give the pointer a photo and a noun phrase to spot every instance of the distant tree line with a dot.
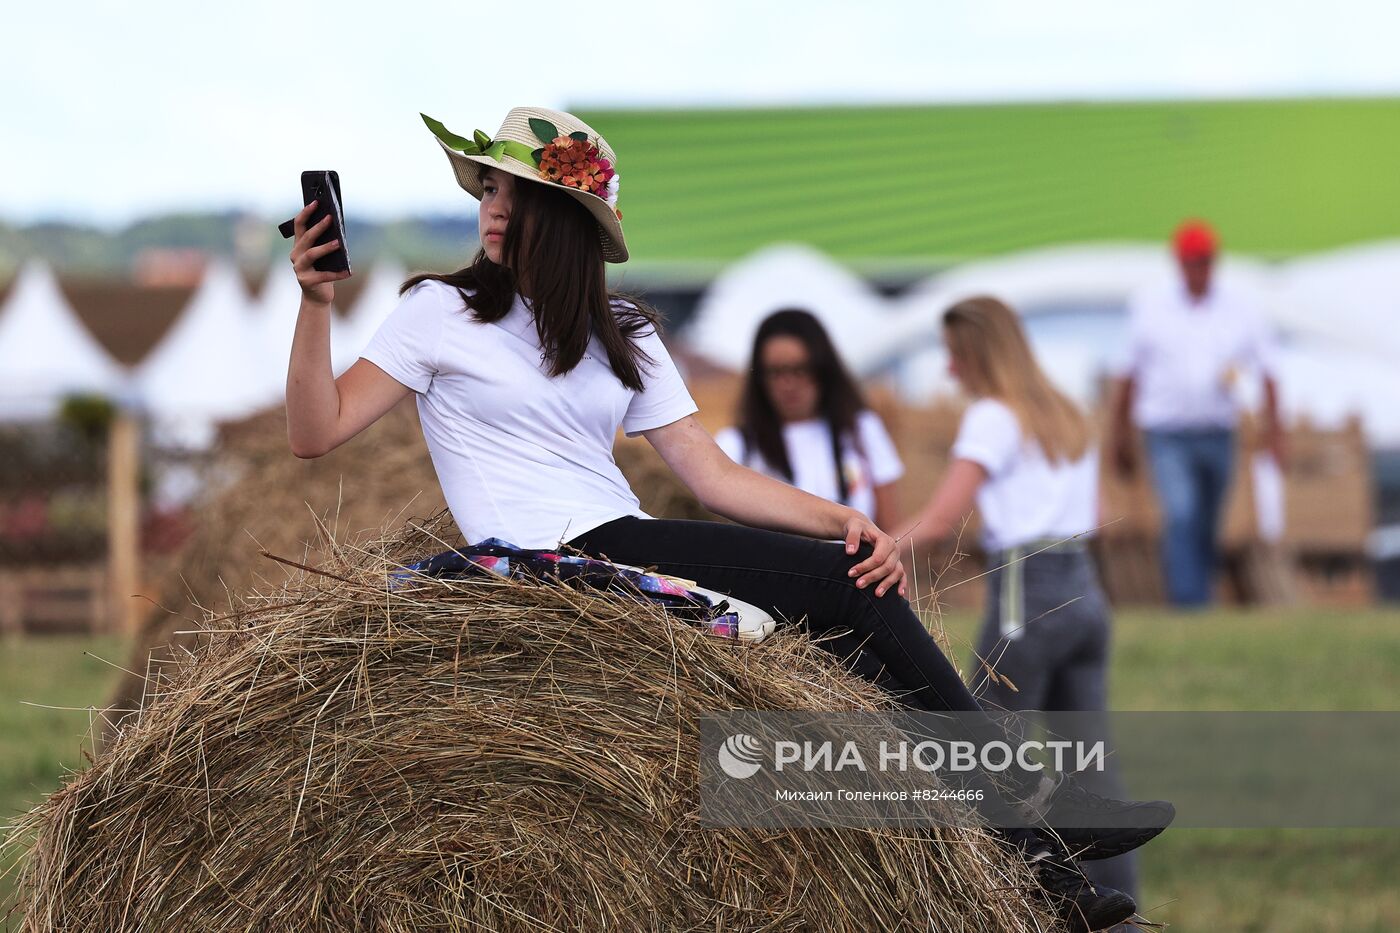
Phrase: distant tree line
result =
(427, 241)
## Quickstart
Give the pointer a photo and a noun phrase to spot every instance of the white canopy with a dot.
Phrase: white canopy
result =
(784, 276)
(1351, 294)
(1335, 313)
(274, 321)
(207, 367)
(379, 296)
(45, 351)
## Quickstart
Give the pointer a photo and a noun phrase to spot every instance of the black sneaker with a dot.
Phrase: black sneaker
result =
(1096, 827)
(1080, 905)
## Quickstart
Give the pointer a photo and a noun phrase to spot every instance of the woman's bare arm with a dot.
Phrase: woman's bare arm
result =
(885, 511)
(946, 508)
(324, 412)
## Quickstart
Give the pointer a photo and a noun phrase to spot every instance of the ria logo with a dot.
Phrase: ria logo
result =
(739, 756)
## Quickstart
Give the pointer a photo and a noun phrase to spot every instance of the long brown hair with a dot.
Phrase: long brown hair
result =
(554, 240)
(839, 399)
(994, 360)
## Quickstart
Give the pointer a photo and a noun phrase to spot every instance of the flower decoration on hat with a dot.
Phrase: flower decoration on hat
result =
(569, 159)
(575, 161)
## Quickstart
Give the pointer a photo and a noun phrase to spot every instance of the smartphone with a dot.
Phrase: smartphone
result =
(323, 187)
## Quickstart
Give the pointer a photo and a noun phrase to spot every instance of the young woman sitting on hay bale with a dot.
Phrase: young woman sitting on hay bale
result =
(524, 366)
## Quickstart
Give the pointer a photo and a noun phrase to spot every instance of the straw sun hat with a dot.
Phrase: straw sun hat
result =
(550, 147)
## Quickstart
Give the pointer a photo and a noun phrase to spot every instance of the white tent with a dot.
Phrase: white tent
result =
(46, 352)
(1325, 372)
(1335, 313)
(1090, 280)
(1073, 300)
(786, 276)
(1093, 278)
(1347, 303)
(206, 368)
(901, 336)
(380, 295)
(1351, 294)
(1330, 384)
(274, 321)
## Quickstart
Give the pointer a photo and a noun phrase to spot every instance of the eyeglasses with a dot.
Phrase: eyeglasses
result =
(789, 371)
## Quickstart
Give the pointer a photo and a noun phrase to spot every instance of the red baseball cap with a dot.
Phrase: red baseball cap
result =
(1194, 239)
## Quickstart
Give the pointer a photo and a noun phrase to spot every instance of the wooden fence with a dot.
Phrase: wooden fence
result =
(75, 576)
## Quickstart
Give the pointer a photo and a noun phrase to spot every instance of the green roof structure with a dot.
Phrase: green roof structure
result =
(930, 185)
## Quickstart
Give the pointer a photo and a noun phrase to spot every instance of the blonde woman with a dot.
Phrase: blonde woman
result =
(1024, 456)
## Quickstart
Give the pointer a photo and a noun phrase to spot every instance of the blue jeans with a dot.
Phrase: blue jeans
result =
(1191, 469)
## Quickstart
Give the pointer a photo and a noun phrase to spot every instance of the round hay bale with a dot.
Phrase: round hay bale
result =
(263, 500)
(261, 497)
(477, 754)
(659, 490)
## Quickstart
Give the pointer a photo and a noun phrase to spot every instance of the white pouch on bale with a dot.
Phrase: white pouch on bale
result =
(754, 623)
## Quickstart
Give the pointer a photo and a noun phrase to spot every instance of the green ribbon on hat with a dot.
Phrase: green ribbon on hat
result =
(480, 144)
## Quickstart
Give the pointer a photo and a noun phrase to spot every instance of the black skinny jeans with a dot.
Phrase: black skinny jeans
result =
(797, 578)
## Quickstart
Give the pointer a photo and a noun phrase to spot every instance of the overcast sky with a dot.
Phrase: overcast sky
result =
(129, 108)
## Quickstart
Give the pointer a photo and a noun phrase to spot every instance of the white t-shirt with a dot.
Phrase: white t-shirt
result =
(1025, 497)
(1187, 358)
(814, 468)
(520, 455)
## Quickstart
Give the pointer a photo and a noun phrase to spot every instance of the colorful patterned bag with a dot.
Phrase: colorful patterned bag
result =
(719, 614)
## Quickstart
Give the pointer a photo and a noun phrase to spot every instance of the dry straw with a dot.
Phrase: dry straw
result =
(472, 755)
(263, 498)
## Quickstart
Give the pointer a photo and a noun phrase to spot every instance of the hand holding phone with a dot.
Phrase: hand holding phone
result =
(319, 255)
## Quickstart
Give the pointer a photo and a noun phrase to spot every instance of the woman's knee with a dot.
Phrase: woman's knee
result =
(836, 563)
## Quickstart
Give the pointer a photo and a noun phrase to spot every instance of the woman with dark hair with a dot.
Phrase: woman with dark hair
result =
(524, 366)
(802, 419)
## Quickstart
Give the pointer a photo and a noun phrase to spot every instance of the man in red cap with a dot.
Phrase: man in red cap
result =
(1189, 346)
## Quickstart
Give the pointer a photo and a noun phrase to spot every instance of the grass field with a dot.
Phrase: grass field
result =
(1279, 881)
(942, 183)
(1258, 881)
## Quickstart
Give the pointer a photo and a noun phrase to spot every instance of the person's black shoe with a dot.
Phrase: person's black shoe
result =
(1096, 827)
(1080, 905)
